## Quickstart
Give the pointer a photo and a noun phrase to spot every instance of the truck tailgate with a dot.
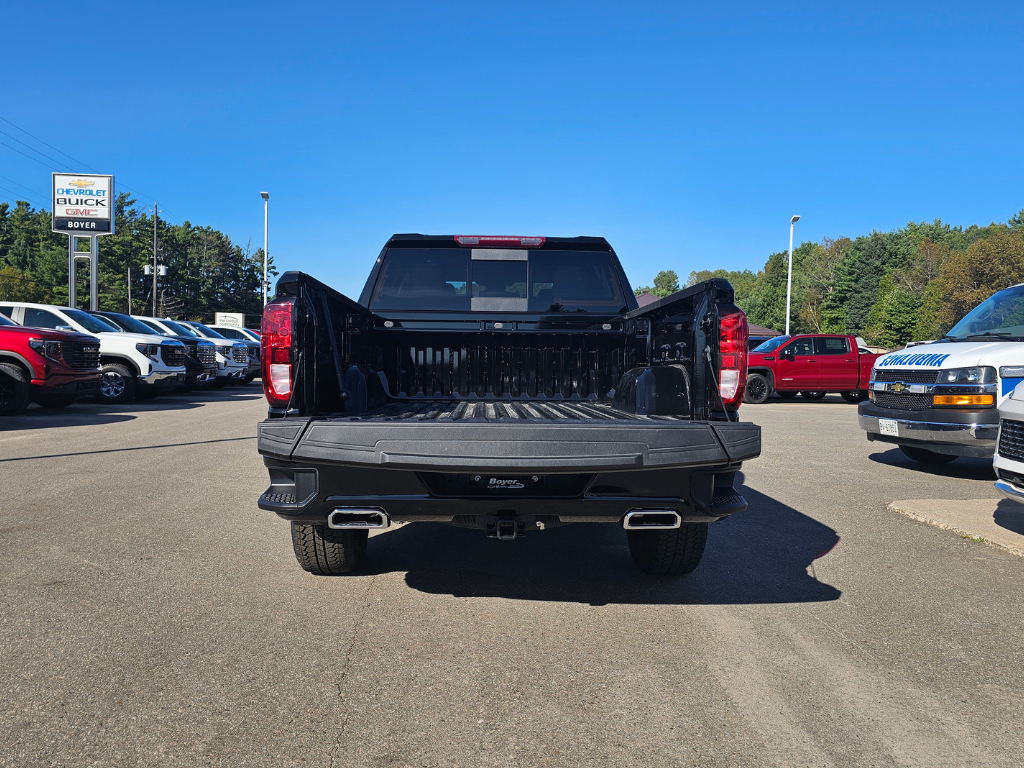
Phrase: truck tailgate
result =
(450, 436)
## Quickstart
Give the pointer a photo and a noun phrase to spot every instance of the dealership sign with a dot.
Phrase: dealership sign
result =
(83, 205)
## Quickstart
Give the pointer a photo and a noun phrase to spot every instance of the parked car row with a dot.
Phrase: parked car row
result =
(56, 355)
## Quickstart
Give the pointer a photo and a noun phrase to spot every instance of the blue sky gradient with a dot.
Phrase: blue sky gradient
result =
(685, 135)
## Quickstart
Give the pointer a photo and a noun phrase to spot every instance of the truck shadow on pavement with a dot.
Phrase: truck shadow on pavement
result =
(1010, 515)
(964, 468)
(758, 556)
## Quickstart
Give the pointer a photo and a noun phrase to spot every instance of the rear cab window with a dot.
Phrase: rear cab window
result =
(832, 345)
(496, 279)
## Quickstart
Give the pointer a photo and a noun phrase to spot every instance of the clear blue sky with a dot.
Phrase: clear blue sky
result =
(685, 135)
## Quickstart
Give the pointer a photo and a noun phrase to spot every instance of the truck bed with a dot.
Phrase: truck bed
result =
(531, 436)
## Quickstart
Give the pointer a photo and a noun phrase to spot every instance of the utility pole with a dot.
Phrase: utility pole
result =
(266, 243)
(155, 214)
(789, 279)
(129, 290)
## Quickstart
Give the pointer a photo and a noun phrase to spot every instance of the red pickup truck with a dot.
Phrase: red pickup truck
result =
(52, 368)
(811, 364)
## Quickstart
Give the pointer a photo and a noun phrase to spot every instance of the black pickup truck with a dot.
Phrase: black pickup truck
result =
(504, 384)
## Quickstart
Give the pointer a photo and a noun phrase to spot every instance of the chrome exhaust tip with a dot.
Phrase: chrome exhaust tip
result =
(350, 517)
(651, 520)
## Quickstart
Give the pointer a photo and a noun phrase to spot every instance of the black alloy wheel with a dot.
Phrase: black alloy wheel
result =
(856, 396)
(757, 389)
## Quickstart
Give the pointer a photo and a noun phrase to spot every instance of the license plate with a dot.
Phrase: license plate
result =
(889, 427)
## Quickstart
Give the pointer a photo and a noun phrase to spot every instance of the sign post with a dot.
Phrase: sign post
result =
(83, 206)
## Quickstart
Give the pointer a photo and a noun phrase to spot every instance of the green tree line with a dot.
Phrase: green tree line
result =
(206, 271)
(911, 284)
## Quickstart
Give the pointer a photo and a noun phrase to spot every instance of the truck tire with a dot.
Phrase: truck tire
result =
(812, 395)
(328, 552)
(924, 456)
(672, 552)
(117, 384)
(787, 395)
(856, 396)
(757, 389)
(14, 389)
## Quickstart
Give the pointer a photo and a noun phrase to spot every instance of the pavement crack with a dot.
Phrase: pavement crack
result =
(346, 665)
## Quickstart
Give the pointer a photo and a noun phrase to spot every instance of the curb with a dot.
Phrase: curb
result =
(930, 511)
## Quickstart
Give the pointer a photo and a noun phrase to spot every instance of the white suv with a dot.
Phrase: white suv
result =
(232, 356)
(132, 364)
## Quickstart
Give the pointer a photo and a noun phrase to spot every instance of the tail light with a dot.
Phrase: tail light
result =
(732, 357)
(276, 351)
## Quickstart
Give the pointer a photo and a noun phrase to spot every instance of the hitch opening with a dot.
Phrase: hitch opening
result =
(507, 530)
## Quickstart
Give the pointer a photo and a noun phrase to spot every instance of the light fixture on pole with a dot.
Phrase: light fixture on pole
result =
(266, 245)
(789, 279)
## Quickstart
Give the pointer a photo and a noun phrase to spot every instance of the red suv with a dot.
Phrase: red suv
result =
(52, 368)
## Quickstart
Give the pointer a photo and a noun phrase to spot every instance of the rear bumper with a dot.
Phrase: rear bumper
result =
(468, 474)
(949, 432)
(308, 493)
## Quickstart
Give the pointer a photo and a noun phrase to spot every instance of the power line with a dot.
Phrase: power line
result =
(69, 157)
(36, 191)
(34, 160)
(52, 159)
(87, 167)
(16, 195)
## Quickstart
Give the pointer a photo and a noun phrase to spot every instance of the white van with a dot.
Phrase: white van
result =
(940, 400)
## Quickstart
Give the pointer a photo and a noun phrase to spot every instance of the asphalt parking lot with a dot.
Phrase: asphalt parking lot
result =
(152, 615)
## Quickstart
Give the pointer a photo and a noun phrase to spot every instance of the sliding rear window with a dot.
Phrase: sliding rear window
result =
(497, 280)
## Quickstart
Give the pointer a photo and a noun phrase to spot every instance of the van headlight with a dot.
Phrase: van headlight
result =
(979, 374)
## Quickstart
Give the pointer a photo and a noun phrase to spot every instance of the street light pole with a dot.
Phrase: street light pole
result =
(156, 214)
(266, 242)
(789, 279)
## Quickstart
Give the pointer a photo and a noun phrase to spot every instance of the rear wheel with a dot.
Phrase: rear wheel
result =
(117, 384)
(812, 395)
(856, 396)
(787, 395)
(249, 378)
(757, 389)
(328, 552)
(14, 389)
(924, 456)
(668, 553)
